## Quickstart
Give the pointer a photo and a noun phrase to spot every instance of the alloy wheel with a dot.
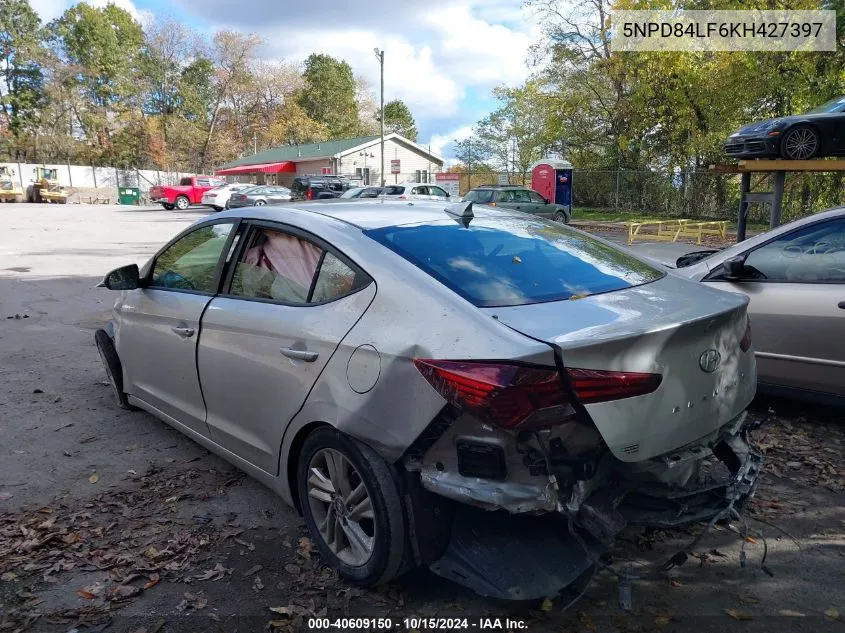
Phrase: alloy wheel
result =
(341, 506)
(800, 143)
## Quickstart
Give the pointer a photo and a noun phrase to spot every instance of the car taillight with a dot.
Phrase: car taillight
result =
(515, 396)
(309, 194)
(745, 342)
(593, 385)
(403, 197)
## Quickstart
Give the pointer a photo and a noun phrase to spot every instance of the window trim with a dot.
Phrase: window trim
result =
(253, 225)
(221, 261)
(715, 275)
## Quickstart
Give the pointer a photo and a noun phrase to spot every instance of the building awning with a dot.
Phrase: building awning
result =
(286, 167)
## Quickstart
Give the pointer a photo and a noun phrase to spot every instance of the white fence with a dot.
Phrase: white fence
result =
(86, 176)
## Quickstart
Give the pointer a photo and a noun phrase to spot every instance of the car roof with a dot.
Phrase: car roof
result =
(366, 214)
(499, 187)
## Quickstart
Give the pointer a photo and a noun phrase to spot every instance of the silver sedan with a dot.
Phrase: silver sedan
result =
(259, 196)
(438, 385)
(795, 278)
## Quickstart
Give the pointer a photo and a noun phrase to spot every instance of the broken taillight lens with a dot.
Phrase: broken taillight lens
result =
(517, 396)
(745, 342)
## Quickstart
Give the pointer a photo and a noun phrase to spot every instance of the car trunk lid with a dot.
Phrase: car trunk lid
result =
(688, 334)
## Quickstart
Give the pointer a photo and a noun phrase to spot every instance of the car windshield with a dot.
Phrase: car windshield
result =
(514, 261)
(834, 105)
(352, 193)
(395, 190)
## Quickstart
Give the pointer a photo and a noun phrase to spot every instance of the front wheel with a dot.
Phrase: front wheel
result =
(800, 143)
(182, 203)
(111, 363)
(352, 506)
(260, 203)
(168, 206)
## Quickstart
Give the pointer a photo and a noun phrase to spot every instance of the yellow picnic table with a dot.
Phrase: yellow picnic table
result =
(671, 230)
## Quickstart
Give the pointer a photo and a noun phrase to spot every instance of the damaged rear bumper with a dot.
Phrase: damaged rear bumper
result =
(512, 556)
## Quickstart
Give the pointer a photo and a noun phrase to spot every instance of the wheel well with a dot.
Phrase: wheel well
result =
(293, 460)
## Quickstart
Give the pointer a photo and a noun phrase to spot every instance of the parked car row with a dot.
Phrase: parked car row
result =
(562, 388)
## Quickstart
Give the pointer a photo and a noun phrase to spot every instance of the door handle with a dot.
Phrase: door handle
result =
(187, 332)
(842, 304)
(299, 354)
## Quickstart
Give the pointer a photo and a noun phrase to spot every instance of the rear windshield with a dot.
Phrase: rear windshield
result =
(514, 261)
(480, 195)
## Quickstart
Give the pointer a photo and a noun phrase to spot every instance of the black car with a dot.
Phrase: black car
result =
(819, 132)
(318, 187)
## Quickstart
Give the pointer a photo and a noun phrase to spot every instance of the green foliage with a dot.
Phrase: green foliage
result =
(329, 95)
(398, 119)
(20, 49)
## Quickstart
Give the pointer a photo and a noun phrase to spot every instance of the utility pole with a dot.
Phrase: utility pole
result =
(380, 58)
(255, 142)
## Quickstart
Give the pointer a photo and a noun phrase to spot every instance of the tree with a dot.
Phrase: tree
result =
(368, 110)
(398, 119)
(472, 152)
(20, 50)
(104, 48)
(329, 95)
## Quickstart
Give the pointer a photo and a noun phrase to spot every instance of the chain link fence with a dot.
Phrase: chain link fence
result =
(693, 194)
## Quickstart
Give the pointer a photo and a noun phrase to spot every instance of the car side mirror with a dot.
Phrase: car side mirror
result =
(448, 195)
(734, 267)
(123, 278)
(546, 200)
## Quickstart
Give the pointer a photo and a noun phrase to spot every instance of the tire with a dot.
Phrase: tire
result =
(385, 531)
(182, 203)
(114, 370)
(260, 203)
(801, 142)
(168, 206)
(228, 205)
(561, 216)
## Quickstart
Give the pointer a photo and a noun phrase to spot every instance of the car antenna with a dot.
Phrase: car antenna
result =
(462, 212)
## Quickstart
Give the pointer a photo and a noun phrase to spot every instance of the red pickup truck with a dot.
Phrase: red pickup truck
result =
(189, 191)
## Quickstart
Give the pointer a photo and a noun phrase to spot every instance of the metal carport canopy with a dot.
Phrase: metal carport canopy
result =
(285, 167)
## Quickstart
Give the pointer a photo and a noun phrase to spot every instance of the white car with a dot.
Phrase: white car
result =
(218, 198)
(415, 191)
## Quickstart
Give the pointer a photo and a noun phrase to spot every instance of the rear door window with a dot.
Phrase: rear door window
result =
(515, 261)
(394, 190)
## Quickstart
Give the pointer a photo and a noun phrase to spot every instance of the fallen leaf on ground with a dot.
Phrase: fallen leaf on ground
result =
(253, 570)
(88, 595)
(94, 478)
(213, 574)
(547, 605)
(123, 592)
(675, 583)
(9, 576)
(738, 615)
(192, 601)
(748, 599)
(832, 613)
(5, 496)
(153, 581)
(292, 569)
(151, 552)
(282, 610)
(249, 546)
(278, 624)
(750, 539)
(661, 621)
(790, 613)
(305, 546)
(257, 585)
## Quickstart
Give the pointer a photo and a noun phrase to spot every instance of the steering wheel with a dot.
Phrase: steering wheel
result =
(172, 279)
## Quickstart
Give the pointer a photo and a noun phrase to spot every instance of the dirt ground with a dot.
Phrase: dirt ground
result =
(110, 520)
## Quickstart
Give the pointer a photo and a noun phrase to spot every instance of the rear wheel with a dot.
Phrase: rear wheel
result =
(351, 502)
(800, 143)
(182, 203)
(228, 204)
(168, 206)
(560, 216)
(260, 203)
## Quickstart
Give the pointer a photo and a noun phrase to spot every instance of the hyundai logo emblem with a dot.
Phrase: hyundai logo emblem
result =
(709, 360)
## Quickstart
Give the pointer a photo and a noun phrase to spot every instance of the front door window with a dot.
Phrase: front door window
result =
(191, 262)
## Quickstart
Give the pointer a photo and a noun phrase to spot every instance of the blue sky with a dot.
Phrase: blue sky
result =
(442, 57)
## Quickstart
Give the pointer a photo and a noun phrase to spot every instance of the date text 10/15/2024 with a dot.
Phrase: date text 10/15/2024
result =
(416, 623)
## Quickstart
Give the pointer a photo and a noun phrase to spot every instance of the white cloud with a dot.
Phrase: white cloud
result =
(439, 142)
(410, 72)
(51, 9)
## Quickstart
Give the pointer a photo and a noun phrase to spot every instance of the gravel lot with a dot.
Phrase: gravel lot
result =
(110, 520)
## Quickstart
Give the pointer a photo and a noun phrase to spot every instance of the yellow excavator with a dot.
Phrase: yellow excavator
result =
(9, 190)
(45, 186)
